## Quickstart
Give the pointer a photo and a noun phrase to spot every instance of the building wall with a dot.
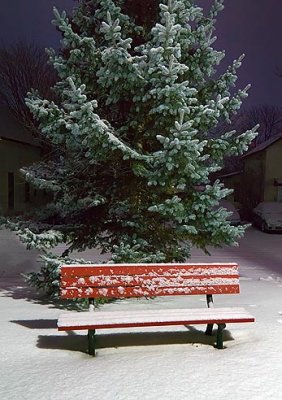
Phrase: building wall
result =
(273, 170)
(256, 183)
(13, 156)
(252, 185)
(233, 182)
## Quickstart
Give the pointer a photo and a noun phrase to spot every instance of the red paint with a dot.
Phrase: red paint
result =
(152, 323)
(149, 280)
(140, 269)
(160, 280)
(70, 293)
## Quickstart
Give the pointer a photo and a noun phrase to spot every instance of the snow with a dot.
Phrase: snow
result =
(103, 292)
(92, 279)
(40, 363)
(89, 291)
(232, 264)
(169, 316)
(269, 207)
(121, 290)
(271, 212)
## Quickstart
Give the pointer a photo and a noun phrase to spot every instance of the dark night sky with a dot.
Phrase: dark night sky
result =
(253, 27)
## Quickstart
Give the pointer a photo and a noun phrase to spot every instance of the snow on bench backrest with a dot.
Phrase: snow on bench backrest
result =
(139, 280)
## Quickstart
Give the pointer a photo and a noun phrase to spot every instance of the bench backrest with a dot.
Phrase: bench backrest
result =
(139, 280)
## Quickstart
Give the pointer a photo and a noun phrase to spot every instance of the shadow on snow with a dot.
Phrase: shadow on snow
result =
(78, 342)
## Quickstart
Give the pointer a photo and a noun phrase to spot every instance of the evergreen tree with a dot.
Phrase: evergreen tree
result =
(131, 133)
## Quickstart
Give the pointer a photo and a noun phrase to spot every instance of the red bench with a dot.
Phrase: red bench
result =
(149, 280)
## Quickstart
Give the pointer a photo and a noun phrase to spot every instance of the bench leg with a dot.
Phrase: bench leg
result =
(210, 305)
(209, 330)
(91, 342)
(219, 339)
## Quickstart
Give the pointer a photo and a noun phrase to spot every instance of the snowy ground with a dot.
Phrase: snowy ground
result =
(40, 363)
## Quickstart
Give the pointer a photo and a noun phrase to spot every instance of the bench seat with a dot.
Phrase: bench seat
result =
(139, 318)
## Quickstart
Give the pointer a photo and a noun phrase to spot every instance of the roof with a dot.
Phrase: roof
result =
(11, 129)
(234, 173)
(264, 145)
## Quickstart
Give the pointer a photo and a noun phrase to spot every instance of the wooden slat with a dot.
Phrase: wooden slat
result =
(147, 269)
(96, 320)
(123, 292)
(162, 281)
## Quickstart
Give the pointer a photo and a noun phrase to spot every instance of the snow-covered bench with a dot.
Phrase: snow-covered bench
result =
(149, 280)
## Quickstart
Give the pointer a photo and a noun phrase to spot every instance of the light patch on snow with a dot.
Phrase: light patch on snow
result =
(268, 278)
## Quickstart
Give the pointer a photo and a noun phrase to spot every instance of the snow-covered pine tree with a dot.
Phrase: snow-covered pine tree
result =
(131, 137)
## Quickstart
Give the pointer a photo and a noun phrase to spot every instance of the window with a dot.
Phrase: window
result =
(11, 190)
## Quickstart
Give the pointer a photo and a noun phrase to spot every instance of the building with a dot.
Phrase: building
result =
(17, 149)
(261, 176)
(264, 165)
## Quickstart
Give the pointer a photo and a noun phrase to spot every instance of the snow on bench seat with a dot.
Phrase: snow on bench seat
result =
(139, 318)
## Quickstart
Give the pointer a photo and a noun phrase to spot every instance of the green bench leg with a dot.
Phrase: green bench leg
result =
(209, 330)
(219, 338)
(210, 305)
(91, 342)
